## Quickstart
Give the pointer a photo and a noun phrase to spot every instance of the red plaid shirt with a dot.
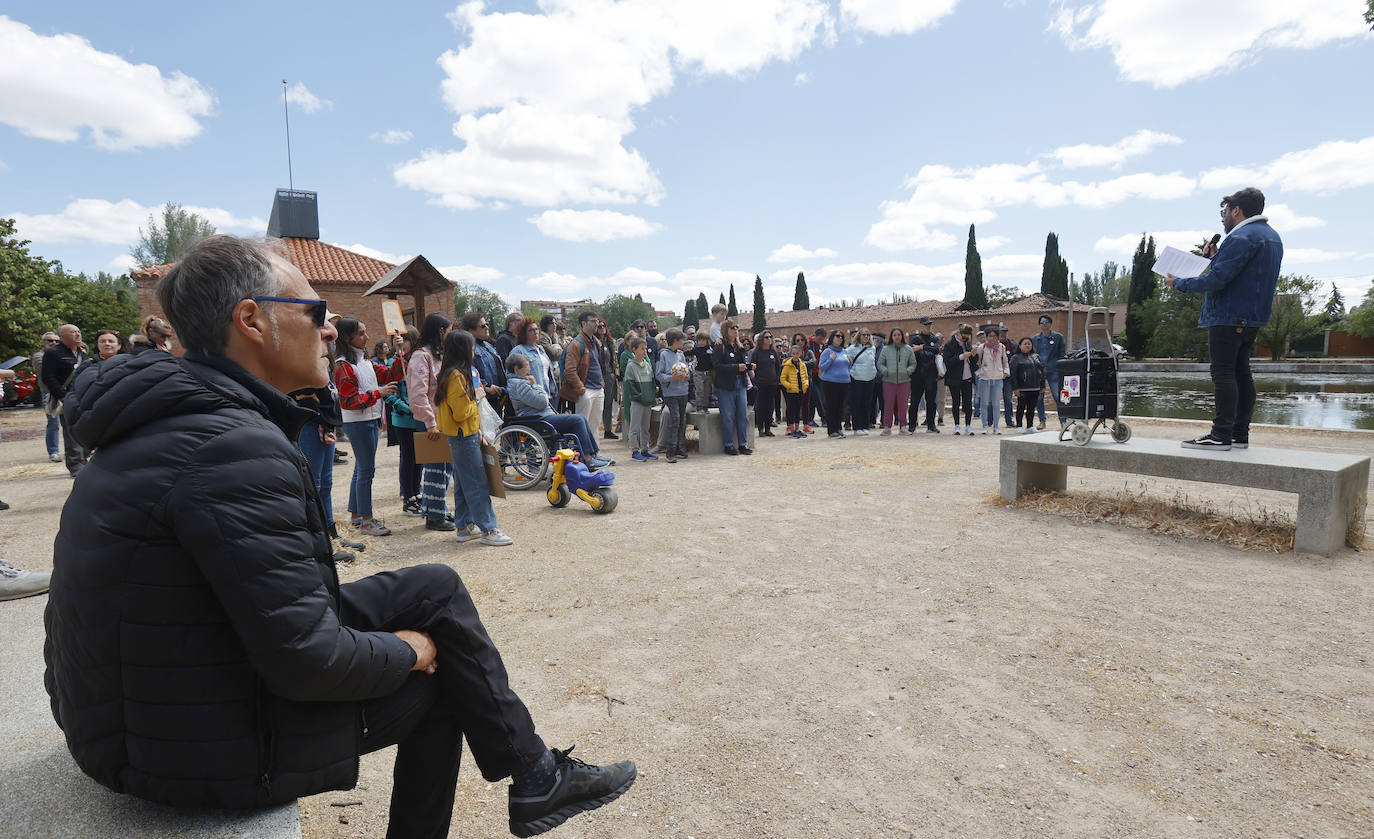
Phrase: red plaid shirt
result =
(350, 398)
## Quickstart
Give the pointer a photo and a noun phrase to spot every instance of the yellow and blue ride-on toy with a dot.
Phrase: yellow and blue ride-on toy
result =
(572, 477)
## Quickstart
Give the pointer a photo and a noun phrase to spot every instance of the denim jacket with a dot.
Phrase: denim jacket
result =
(1050, 348)
(1239, 287)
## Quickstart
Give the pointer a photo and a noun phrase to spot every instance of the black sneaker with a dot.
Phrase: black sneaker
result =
(611, 436)
(745, 450)
(1208, 443)
(731, 450)
(412, 507)
(342, 557)
(443, 525)
(1240, 444)
(577, 788)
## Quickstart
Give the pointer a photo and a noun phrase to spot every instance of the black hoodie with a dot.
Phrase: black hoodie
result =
(196, 654)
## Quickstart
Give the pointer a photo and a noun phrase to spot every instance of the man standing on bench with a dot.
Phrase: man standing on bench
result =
(1238, 297)
(200, 650)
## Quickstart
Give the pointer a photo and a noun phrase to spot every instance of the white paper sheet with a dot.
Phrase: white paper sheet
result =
(1180, 263)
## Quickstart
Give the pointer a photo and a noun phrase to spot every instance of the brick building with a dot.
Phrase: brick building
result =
(1020, 316)
(338, 275)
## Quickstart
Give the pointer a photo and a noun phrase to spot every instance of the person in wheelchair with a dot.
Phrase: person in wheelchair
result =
(528, 399)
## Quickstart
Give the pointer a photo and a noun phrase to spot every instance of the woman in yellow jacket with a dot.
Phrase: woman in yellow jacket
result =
(459, 417)
(795, 381)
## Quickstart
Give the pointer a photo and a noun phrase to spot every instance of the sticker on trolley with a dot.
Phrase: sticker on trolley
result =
(1070, 389)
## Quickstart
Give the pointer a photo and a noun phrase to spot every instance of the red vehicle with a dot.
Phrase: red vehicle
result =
(22, 389)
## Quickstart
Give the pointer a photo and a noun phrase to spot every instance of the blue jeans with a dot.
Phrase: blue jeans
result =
(321, 460)
(52, 436)
(991, 392)
(734, 417)
(1009, 411)
(471, 501)
(362, 437)
(576, 425)
(1052, 381)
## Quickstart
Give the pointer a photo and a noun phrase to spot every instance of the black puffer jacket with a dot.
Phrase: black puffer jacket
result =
(195, 651)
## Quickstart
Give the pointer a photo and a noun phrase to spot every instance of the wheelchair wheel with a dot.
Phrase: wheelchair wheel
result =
(524, 457)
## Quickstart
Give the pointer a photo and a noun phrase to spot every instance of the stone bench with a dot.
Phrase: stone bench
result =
(45, 794)
(710, 435)
(1331, 487)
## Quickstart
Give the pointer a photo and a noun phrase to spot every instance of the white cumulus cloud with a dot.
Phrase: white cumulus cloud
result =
(1329, 166)
(1168, 42)
(894, 17)
(1284, 219)
(801, 79)
(114, 222)
(794, 253)
(54, 87)
(541, 125)
(384, 256)
(392, 136)
(299, 95)
(1125, 244)
(1139, 143)
(473, 274)
(592, 225)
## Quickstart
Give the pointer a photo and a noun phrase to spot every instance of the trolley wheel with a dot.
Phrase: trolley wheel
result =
(1121, 432)
(523, 455)
(1081, 434)
(606, 497)
(1066, 431)
(564, 496)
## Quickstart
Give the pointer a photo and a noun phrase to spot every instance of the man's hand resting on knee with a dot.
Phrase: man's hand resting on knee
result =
(423, 645)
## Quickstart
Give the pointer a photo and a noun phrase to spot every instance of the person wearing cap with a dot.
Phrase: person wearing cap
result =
(1008, 404)
(926, 382)
(1050, 346)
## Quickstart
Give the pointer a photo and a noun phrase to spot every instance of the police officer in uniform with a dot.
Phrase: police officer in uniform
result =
(925, 384)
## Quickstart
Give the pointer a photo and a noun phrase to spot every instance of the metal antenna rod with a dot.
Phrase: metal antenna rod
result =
(290, 177)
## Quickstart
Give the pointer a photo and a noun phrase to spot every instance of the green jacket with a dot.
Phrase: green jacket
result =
(896, 363)
(639, 382)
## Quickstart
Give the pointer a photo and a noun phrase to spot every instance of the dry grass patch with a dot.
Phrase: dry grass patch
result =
(1249, 528)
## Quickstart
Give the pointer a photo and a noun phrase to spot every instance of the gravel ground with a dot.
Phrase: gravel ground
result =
(844, 639)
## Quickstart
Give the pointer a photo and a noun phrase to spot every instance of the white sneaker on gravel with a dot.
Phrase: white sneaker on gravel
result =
(55, 458)
(496, 538)
(467, 534)
(15, 583)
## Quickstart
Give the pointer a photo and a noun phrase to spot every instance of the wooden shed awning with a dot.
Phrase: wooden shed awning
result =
(416, 276)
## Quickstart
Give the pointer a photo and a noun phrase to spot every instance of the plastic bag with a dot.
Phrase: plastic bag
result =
(940, 364)
(491, 422)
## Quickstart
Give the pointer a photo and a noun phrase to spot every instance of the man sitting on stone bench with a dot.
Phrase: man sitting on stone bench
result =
(200, 650)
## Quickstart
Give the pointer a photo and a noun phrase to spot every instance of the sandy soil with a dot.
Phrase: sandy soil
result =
(843, 639)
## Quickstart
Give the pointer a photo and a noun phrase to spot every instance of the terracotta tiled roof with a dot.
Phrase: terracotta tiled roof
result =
(321, 263)
(888, 312)
(324, 264)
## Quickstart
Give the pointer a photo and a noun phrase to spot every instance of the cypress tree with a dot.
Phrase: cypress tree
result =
(1054, 276)
(731, 310)
(760, 322)
(703, 308)
(722, 298)
(1143, 289)
(975, 297)
(800, 298)
(689, 313)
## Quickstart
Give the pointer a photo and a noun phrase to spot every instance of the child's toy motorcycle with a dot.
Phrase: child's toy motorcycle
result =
(571, 476)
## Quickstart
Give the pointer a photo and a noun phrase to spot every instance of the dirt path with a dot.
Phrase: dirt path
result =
(842, 639)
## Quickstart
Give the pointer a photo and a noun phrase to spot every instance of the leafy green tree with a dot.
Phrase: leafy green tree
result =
(1294, 315)
(975, 297)
(1361, 319)
(470, 297)
(801, 300)
(1175, 333)
(1054, 275)
(534, 313)
(1001, 295)
(620, 311)
(167, 240)
(1335, 307)
(1143, 287)
(760, 317)
(1369, 15)
(732, 310)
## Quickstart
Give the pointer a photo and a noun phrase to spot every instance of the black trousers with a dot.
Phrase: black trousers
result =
(409, 470)
(1025, 407)
(834, 393)
(927, 386)
(429, 715)
(73, 455)
(766, 406)
(1232, 381)
(960, 393)
(794, 401)
(861, 403)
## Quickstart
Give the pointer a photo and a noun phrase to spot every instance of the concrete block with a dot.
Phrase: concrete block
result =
(710, 436)
(1330, 487)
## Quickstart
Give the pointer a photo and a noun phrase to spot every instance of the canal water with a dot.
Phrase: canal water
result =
(1299, 399)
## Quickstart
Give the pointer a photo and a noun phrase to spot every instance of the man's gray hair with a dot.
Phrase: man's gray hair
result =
(200, 292)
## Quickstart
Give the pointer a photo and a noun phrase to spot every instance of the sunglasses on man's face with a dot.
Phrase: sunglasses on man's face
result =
(318, 309)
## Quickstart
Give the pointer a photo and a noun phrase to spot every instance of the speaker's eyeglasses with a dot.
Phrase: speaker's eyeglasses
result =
(319, 309)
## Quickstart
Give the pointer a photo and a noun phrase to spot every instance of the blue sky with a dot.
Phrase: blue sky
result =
(577, 148)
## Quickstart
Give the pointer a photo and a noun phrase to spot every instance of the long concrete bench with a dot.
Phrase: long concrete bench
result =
(44, 794)
(710, 434)
(1331, 487)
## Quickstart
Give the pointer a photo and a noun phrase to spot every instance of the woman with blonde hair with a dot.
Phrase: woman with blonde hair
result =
(731, 367)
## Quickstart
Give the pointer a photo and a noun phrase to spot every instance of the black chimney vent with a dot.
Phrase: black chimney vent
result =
(294, 214)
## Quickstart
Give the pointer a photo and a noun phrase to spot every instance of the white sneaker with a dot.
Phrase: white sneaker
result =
(496, 538)
(55, 458)
(15, 583)
(862, 432)
(968, 431)
(467, 534)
